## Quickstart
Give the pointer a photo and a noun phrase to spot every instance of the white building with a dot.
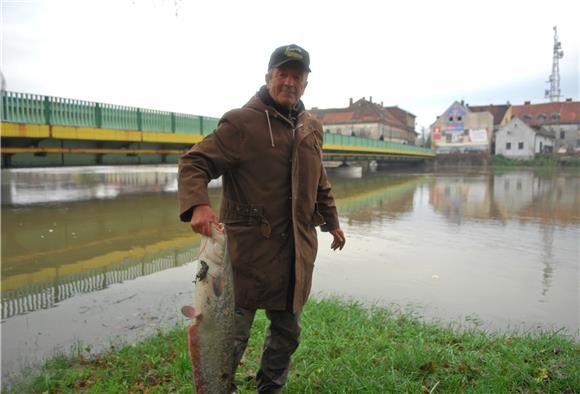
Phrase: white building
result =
(560, 117)
(518, 140)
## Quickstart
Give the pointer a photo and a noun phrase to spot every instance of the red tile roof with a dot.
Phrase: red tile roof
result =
(548, 113)
(336, 117)
(359, 112)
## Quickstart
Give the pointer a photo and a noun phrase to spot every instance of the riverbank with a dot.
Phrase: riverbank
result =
(481, 159)
(547, 161)
(345, 348)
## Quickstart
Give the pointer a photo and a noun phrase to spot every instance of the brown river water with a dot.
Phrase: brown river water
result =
(96, 256)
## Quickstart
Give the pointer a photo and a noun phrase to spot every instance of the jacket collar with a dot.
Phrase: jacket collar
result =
(264, 97)
(300, 117)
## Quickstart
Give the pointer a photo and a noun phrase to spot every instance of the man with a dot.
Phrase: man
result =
(275, 191)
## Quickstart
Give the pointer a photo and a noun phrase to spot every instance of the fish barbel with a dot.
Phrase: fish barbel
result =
(210, 337)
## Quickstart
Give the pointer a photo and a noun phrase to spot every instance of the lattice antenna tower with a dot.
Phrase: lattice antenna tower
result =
(554, 80)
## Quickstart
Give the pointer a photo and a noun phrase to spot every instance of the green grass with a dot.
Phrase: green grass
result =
(540, 161)
(346, 348)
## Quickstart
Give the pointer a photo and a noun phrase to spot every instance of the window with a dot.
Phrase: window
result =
(562, 134)
(508, 146)
(555, 116)
(542, 117)
(520, 145)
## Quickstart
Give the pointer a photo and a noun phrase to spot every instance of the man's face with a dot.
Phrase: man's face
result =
(287, 83)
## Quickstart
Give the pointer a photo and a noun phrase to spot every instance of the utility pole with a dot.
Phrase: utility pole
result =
(554, 80)
(2, 82)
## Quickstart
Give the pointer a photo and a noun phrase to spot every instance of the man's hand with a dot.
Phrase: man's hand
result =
(339, 239)
(202, 218)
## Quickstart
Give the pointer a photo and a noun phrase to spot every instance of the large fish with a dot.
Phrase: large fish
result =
(210, 337)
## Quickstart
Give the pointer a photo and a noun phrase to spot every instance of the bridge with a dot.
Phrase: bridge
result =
(39, 130)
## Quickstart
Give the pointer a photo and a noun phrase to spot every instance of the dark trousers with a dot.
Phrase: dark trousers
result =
(282, 339)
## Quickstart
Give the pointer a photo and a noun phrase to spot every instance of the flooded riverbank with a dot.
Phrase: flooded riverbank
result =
(98, 255)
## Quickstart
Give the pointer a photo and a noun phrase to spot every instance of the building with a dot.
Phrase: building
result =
(461, 130)
(519, 140)
(560, 117)
(364, 118)
(502, 114)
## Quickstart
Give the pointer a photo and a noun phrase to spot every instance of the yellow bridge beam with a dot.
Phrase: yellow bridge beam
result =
(23, 130)
(37, 131)
(14, 150)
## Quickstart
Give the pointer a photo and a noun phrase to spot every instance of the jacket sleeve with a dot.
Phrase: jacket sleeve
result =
(205, 161)
(326, 204)
(324, 198)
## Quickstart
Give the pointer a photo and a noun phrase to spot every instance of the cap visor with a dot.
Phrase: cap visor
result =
(285, 61)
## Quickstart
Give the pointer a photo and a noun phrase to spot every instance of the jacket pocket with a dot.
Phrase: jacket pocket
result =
(236, 213)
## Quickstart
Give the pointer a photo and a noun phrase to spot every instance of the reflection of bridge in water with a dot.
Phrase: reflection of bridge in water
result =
(119, 241)
(47, 293)
(383, 195)
(55, 251)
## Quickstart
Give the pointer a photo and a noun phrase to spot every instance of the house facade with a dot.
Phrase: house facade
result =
(518, 140)
(460, 130)
(561, 118)
(502, 114)
(366, 119)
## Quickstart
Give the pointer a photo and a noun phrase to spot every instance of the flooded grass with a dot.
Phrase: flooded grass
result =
(346, 348)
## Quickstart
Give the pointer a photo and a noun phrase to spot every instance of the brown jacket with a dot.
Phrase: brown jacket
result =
(275, 191)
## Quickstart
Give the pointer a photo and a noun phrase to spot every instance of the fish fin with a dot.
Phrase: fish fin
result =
(193, 345)
(218, 285)
(189, 311)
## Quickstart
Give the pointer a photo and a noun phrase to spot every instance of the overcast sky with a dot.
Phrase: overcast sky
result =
(206, 57)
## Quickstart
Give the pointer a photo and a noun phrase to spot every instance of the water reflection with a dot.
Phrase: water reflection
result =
(375, 197)
(27, 293)
(550, 199)
(46, 185)
(51, 252)
(524, 195)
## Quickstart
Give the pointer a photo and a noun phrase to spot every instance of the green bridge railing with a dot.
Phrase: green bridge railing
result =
(347, 140)
(35, 108)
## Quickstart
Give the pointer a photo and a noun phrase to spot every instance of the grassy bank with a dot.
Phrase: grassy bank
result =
(345, 349)
(539, 161)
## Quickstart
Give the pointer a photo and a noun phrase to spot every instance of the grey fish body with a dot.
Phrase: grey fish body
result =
(210, 337)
